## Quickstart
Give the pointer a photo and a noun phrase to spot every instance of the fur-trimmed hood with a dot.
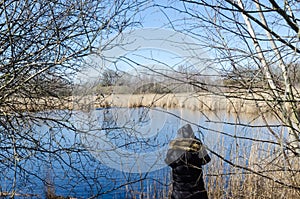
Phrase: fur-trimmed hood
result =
(185, 144)
(180, 146)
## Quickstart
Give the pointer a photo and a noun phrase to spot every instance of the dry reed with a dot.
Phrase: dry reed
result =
(192, 101)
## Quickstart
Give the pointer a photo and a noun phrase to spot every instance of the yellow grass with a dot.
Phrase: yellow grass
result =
(233, 182)
(230, 182)
(199, 101)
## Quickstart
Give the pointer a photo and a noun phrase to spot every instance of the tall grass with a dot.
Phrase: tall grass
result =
(270, 175)
(191, 101)
(257, 171)
(224, 181)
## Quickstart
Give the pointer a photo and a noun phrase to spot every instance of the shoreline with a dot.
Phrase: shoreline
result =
(192, 101)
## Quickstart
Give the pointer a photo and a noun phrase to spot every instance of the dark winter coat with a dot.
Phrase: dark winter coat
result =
(186, 157)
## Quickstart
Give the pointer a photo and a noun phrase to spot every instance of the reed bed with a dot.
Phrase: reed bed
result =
(225, 182)
(271, 176)
(239, 170)
(192, 101)
(262, 172)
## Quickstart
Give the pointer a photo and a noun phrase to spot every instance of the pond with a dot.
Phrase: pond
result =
(119, 152)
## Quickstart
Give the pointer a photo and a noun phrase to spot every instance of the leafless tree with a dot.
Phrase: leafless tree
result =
(253, 45)
(252, 48)
(43, 44)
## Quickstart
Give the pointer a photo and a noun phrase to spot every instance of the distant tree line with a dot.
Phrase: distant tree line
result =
(123, 82)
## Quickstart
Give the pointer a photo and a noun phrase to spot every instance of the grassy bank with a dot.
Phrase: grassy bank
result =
(263, 173)
(192, 101)
(270, 177)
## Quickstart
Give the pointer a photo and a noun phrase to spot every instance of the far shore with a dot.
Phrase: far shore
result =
(192, 101)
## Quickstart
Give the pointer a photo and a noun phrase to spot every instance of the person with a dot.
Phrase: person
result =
(186, 156)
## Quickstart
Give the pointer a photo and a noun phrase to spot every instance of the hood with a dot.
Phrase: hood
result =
(185, 132)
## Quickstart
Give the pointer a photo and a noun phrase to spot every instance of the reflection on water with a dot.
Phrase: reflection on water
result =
(117, 151)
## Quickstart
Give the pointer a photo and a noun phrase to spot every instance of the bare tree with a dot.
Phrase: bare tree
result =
(43, 45)
(253, 44)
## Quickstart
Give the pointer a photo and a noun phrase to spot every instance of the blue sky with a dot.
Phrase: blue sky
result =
(170, 54)
(204, 34)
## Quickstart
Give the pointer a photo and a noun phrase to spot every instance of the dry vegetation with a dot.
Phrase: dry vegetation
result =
(193, 101)
(228, 182)
(269, 167)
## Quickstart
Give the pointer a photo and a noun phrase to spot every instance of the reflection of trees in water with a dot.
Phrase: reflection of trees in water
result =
(108, 119)
(124, 128)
